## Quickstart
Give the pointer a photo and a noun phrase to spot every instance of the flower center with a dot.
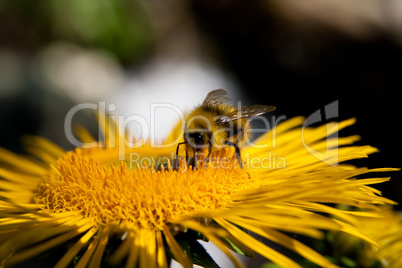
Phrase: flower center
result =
(143, 197)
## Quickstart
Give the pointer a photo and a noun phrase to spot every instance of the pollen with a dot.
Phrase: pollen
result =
(140, 196)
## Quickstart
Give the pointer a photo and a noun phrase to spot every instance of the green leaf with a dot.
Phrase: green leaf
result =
(76, 260)
(201, 257)
(349, 263)
(239, 249)
(193, 249)
(270, 265)
(202, 237)
(377, 264)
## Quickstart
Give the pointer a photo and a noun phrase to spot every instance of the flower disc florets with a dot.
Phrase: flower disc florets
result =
(140, 196)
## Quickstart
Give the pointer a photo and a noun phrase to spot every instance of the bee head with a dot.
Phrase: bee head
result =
(198, 139)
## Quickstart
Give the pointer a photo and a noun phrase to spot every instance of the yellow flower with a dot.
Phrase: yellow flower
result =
(107, 210)
(387, 231)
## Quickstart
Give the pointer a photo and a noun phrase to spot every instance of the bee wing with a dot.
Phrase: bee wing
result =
(216, 97)
(246, 112)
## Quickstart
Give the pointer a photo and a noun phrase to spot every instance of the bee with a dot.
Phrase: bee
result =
(215, 125)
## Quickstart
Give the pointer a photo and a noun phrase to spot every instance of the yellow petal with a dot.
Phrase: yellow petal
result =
(134, 252)
(289, 243)
(21, 163)
(148, 255)
(212, 234)
(123, 249)
(161, 254)
(83, 262)
(177, 251)
(33, 251)
(45, 145)
(73, 251)
(257, 246)
(83, 134)
(100, 248)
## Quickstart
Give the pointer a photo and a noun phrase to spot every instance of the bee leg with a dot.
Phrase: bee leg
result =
(195, 158)
(209, 151)
(177, 154)
(237, 152)
(188, 160)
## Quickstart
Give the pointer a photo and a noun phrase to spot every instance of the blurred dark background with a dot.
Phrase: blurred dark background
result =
(296, 55)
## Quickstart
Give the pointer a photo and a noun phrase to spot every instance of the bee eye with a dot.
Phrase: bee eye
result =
(197, 137)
